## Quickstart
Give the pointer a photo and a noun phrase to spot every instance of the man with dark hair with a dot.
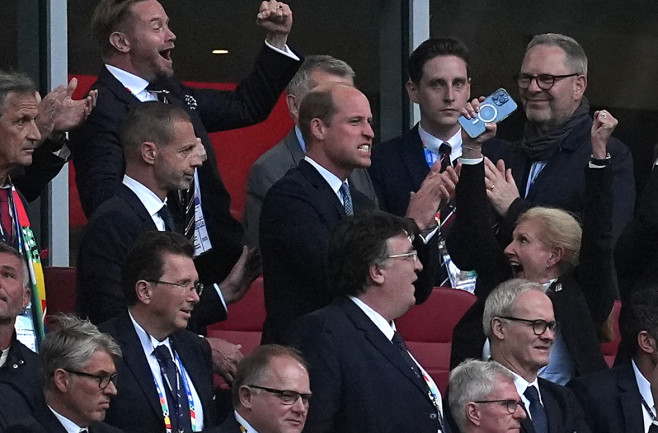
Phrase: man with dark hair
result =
(137, 44)
(166, 370)
(440, 83)
(620, 399)
(79, 378)
(161, 153)
(270, 394)
(364, 378)
(301, 209)
(273, 164)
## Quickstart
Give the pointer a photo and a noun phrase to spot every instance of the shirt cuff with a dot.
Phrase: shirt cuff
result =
(468, 161)
(286, 51)
(221, 297)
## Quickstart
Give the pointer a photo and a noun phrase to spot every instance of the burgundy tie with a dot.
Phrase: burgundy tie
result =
(4, 213)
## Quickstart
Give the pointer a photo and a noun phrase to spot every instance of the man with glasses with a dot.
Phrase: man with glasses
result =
(483, 398)
(548, 164)
(270, 394)
(79, 379)
(364, 378)
(166, 370)
(520, 325)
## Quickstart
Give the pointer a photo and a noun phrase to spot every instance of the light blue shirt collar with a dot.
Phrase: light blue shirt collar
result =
(300, 138)
(334, 182)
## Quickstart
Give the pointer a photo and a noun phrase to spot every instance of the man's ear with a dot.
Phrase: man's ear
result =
(61, 379)
(497, 328)
(27, 296)
(646, 342)
(376, 275)
(318, 128)
(293, 107)
(412, 91)
(120, 42)
(245, 396)
(143, 289)
(473, 414)
(579, 86)
(149, 152)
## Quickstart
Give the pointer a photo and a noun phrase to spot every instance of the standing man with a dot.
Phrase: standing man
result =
(166, 371)
(440, 83)
(483, 398)
(549, 163)
(273, 164)
(520, 325)
(364, 378)
(302, 208)
(79, 379)
(270, 394)
(137, 47)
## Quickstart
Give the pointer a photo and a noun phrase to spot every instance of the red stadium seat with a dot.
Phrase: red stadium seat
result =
(427, 330)
(60, 289)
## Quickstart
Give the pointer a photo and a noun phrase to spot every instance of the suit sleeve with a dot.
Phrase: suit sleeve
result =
(582, 394)
(31, 180)
(259, 182)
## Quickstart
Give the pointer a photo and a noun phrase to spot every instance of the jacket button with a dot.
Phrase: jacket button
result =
(15, 366)
(432, 416)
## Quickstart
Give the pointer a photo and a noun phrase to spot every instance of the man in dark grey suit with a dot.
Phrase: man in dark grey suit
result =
(520, 325)
(273, 164)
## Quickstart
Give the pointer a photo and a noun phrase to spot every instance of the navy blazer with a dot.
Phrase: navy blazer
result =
(136, 407)
(20, 384)
(360, 380)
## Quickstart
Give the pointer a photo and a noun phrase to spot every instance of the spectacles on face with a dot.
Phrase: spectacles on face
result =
(411, 254)
(544, 81)
(539, 326)
(287, 397)
(197, 287)
(103, 379)
(510, 404)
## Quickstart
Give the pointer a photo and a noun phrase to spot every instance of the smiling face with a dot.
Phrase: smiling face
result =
(530, 257)
(18, 131)
(149, 41)
(442, 92)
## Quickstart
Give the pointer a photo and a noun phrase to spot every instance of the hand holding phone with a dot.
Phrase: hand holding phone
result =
(495, 107)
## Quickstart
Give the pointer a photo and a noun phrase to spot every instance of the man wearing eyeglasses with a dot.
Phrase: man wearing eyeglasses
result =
(548, 164)
(166, 371)
(483, 398)
(79, 379)
(270, 394)
(519, 322)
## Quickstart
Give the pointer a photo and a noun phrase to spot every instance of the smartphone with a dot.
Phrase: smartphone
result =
(493, 109)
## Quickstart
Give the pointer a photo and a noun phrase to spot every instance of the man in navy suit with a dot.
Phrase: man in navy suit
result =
(620, 399)
(79, 379)
(166, 371)
(270, 394)
(364, 378)
(301, 209)
(519, 322)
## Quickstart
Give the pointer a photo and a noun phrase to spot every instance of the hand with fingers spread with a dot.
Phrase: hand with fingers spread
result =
(276, 18)
(501, 188)
(436, 189)
(243, 273)
(602, 126)
(225, 357)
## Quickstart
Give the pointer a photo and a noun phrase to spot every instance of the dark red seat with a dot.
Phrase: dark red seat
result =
(609, 349)
(60, 289)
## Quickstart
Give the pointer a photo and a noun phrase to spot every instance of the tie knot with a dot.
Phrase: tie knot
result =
(445, 149)
(398, 340)
(162, 353)
(531, 394)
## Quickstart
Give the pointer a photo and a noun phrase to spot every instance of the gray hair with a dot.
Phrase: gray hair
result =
(473, 380)
(71, 345)
(14, 82)
(302, 82)
(8, 249)
(500, 301)
(576, 57)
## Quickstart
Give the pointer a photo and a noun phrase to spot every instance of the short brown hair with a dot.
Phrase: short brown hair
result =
(108, 16)
(318, 103)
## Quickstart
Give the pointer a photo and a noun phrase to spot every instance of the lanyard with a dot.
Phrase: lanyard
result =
(163, 398)
(648, 409)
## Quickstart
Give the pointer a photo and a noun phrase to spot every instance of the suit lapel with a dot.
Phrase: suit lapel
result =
(137, 207)
(48, 419)
(412, 156)
(294, 147)
(631, 400)
(115, 86)
(325, 195)
(553, 410)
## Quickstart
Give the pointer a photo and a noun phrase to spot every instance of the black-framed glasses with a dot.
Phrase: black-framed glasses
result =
(413, 255)
(286, 396)
(510, 404)
(544, 81)
(539, 326)
(197, 287)
(103, 379)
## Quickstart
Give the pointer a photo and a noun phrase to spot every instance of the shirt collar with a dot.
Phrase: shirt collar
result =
(68, 425)
(132, 82)
(432, 143)
(243, 422)
(334, 182)
(521, 384)
(643, 385)
(300, 138)
(148, 342)
(151, 202)
(387, 328)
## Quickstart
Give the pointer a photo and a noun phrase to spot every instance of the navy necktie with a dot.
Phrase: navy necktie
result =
(537, 411)
(167, 218)
(176, 395)
(347, 199)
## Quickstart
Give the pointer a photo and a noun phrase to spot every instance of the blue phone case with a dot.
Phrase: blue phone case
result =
(493, 109)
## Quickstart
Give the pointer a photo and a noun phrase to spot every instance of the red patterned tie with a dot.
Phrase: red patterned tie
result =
(4, 213)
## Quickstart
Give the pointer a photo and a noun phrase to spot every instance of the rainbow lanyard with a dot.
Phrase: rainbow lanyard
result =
(163, 398)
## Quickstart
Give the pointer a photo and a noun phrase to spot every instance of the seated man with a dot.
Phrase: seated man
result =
(166, 371)
(620, 399)
(79, 379)
(364, 378)
(270, 394)
(520, 324)
(483, 398)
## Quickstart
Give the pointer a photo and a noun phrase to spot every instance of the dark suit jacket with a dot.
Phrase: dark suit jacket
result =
(271, 167)
(20, 387)
(230, 425)
(561, 183)
(582, 299)
(360, 381)
(611, 400)
(562, 410)
(108, 237)
(98, 155)
(32, 179)
(136, 407)
(44, 421)
(298, 215)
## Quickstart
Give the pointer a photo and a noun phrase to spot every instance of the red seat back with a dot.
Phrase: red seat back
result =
(427, 330)
(60, 289)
